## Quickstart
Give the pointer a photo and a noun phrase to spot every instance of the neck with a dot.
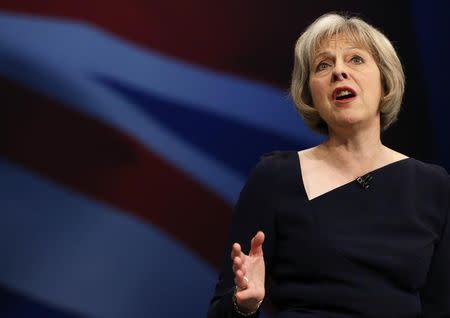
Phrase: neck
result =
(356, 152)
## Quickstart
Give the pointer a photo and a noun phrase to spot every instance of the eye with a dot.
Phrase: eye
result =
(322, 66)
(357, 59)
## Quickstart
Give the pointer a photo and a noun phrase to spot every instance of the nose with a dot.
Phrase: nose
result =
(339, 75)
(339, 71)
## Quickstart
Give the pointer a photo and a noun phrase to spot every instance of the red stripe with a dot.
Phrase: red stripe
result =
(97, 160)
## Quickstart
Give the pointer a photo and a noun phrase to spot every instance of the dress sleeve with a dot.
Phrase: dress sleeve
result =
(252, 212)
(435, 296)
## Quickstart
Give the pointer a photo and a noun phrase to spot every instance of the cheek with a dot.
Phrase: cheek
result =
(378, 89)
(374, 87)
(316, 89)
(377, 83)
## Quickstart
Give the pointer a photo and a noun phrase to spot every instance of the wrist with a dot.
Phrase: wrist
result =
(244, 310)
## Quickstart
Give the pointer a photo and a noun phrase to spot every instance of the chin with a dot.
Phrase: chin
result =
(351, 118)
(350, 121)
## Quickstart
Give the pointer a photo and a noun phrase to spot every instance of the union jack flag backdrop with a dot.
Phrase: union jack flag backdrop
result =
(128, 129)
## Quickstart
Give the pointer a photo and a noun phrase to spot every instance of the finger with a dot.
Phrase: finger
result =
(240, 280)
(256, 244)
(235, 250)
(237, 264)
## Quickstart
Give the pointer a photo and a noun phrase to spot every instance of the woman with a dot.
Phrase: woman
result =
(350, 227)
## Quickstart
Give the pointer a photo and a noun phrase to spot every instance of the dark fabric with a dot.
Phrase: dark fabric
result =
(351, 252)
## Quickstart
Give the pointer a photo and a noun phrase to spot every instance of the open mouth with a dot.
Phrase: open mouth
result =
(343, 93)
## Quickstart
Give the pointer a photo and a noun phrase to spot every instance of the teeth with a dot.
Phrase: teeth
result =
(343, 93)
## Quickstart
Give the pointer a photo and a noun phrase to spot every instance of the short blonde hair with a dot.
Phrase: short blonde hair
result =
(359, 31)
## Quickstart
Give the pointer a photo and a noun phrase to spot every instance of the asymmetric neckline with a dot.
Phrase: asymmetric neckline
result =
(300, 181)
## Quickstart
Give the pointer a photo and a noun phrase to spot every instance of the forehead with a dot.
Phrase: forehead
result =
(341, 41)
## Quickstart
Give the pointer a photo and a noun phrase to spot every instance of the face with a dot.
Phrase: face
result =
(345, 84)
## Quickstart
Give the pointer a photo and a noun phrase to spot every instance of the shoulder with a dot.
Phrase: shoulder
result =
(264, 179)
(430, 173)
(431, 181)
(273, 166)
(277, 162)
(277, 157)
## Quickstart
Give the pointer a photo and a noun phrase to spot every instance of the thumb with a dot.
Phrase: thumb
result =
(256, 244)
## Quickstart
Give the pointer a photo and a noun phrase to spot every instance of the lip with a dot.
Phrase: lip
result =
(343, 88)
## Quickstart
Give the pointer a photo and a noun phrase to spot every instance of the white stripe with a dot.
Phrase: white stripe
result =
(63, 71)
(86, 50)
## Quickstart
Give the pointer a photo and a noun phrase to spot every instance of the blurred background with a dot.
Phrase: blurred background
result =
(127, 130)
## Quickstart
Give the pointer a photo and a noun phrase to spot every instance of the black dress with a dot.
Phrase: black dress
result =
(378, 252)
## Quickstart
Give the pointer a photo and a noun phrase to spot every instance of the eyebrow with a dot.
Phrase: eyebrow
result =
(329, 53)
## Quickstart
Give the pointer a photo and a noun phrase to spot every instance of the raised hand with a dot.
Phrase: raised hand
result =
(249, 274)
